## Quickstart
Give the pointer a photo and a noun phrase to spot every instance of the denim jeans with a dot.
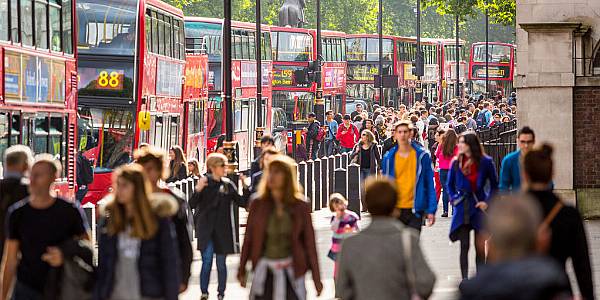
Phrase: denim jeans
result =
(329, 147)
(24, 292)
(445, 195)
(364, 173)
(346, 150)
(207, 261)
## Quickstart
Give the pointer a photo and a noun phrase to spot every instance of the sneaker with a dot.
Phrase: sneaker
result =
(204, 297)
(445, 214)
(220, 297)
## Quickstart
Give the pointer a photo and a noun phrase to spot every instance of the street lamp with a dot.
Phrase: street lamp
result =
(259, 110)
(319, 102)
(457, 56)
(487, 50)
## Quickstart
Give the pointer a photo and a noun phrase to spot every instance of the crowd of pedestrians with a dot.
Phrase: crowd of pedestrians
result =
(409, 160)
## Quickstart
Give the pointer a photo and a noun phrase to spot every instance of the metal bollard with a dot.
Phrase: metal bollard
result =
(341, 182)
(324, 185)
(330, 174)
(338, 161)
(344, 161)
(296, 169)
(302, 176)
(90, 214)
(184, 189)
(310, 182)
(354, 188)
(190, 188)
(317, 184)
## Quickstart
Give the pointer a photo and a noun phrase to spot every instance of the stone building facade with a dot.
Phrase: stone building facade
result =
(558, 86)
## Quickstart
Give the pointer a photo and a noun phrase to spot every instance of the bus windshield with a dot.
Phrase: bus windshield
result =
(297, 105)
(106, 136)
(450, 55)
(497, 53)
(107, 27)
(292, 46)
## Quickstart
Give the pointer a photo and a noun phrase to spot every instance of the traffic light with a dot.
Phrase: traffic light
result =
(313, 68)
(307, 75)
(418, 67)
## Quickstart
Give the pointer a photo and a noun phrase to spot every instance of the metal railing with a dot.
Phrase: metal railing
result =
(499, 141)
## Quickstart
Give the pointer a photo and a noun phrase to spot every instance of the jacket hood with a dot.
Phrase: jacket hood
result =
(164, 204)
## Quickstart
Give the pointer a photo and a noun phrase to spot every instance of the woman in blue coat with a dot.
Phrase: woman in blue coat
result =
(472, 181)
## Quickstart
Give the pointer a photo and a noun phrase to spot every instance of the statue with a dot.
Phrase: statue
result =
(291, 13)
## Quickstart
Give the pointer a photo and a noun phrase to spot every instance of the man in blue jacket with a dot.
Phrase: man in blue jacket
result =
(409, 165)
(510, 171)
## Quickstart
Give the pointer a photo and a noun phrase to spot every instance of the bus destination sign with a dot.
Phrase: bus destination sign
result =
(283, 76)
(494, 72)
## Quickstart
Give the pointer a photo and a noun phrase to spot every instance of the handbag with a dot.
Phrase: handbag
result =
(407, 245)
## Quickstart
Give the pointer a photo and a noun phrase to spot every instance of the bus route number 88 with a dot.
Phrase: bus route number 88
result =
(110, 80)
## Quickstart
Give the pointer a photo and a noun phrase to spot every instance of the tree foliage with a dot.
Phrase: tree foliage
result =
(360, 16)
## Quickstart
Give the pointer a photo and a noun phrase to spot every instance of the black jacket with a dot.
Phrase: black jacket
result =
(12, 190)
(388, 144)
(180, 221)
(534, 278)
(374, 157)
(568, 241)
(312, 131)
(181, 173)
(214, 215)
(158, 263)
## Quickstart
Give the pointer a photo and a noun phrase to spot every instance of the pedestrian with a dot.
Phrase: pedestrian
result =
(358, 122)
(193, 168)
(312, 136)
(516, 270)
(36, 227)
(13, 187)
(383, 261)
(411, 168)
(366, 155)
(137, 249)
(471, 183)
(152, 160)
(344, 223)
(84, 175)
(347, 134)
(497, 120)
(510, 171)
(368, 124)
(568, 238)
(484, 117)
(339, 119)
(213, 204)
(266, 141)
(358, 110)
(264, 159)
(331, 142)
(439, 133)
(280, 239)
(445, 153)
(177, 164)
(471, 123)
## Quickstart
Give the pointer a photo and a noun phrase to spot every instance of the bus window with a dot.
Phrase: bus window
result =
(296, 105)
(175, 131)
(112, 131)
(40, 134)
(4, 20)
(294, 46)
(158, 131)
(106, 26)
(41, 26)
(237, 115)
(356, 48)
(27, 22)
(215, 118)
(4, 132)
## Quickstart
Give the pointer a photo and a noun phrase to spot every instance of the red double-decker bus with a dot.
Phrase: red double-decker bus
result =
(363, 66)
(294, 49)
(501, 67)
(131, 64)
(206, 34)
(38, 86)
(449, 65)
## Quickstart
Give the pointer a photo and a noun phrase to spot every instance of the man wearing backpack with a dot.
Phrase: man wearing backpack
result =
(313, 136)
(347, 134)
(85, 175)
(485, 116)
(330, 139)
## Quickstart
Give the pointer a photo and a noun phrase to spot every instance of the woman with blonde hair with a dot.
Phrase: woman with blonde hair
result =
(138, 257)
(213, 204)
(177, 164)
(280, 239)
(366, 154)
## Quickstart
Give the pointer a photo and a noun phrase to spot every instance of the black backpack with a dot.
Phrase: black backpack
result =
(85, 170)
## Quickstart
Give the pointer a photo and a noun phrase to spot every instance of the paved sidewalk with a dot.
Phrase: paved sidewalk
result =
(441, 255)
